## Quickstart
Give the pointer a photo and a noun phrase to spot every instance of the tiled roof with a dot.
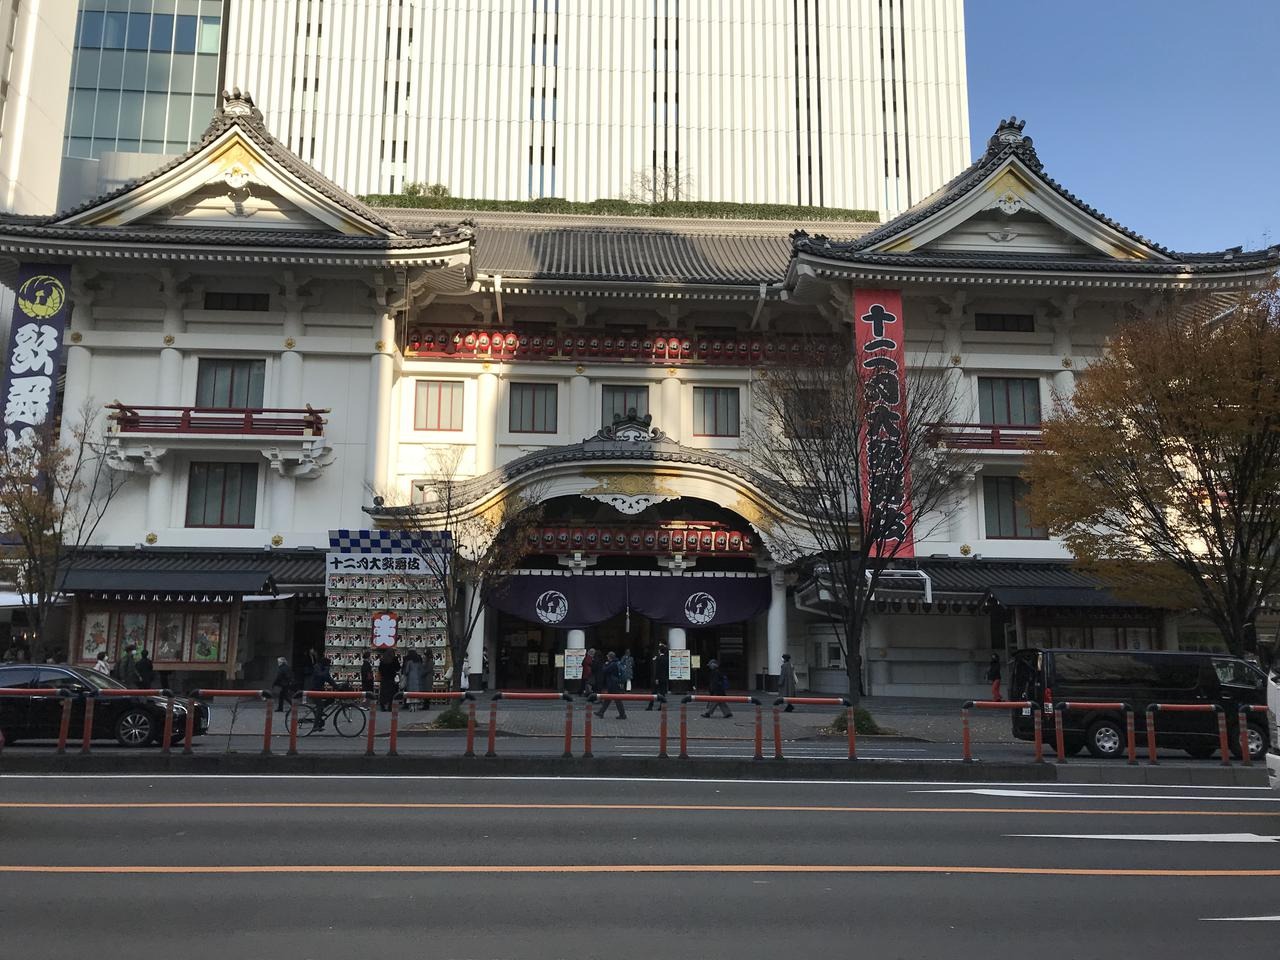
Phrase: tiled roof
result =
(286, 567)
(1230, 262)
(197, 236)
(979, 576)
(1008, 141)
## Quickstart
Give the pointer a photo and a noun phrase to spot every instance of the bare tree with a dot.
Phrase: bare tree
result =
(55, 487)
(821, 443)
(468, 556)
(660, 184)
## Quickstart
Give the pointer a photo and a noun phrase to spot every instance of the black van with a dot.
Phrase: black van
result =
(1139, 678)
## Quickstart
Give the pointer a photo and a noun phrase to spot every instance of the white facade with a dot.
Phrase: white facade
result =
(858, 104)
(35, 62)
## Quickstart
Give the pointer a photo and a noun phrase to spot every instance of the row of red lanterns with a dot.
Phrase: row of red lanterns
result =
(647, 539)
(661, 347)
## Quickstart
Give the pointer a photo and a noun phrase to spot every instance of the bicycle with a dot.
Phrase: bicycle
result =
(349, 719)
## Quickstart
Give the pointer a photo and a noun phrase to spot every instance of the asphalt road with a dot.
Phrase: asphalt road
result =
(536, 868)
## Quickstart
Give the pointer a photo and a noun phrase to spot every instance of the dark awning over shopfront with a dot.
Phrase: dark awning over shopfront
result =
(88, 579)
(1054, 597)
(188, 573)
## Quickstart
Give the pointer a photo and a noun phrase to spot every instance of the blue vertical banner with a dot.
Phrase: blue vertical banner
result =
(33, 359)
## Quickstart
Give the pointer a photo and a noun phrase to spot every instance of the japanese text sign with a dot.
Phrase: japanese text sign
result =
(886, 474)
(34, 357)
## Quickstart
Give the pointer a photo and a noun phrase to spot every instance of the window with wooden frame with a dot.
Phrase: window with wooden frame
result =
(230, 384)
(438, 405)
(618, 399)
(533, 408)
(1009, 401)
(222, 494)
(1007, 518)
(715, 411)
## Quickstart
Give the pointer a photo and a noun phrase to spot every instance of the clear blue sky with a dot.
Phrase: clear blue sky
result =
(1163, 114)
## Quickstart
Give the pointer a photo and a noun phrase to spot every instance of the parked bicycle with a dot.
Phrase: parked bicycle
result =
(348, 718)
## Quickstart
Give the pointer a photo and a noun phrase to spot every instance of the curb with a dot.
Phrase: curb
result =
(710, 768)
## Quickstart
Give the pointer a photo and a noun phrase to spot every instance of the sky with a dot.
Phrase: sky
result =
(1162, 114)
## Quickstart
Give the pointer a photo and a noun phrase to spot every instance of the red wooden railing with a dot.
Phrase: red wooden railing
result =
(253, 421)
(987, 436)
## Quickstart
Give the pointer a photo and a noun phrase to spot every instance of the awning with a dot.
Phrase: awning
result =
(1055, 597)
(86, 579)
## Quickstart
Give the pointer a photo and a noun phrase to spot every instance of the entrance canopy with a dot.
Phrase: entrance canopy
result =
(576, 600)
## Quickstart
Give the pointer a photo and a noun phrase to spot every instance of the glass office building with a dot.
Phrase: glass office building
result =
(145, 75)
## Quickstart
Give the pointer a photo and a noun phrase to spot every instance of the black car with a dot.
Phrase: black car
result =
(1140, 678)
(133, 721)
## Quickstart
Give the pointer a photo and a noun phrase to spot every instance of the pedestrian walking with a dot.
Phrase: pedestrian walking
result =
(146, 671)
(588, 665)
(787, 681)
(366, 672)
(127, 668)
(102, 664)
(626, 669)
(718, 687)
(993, 675)
(388, 672)
(661, 670)
(411, 676)
(309, 661)
(282, 684)
(464, 681)
(611, 679)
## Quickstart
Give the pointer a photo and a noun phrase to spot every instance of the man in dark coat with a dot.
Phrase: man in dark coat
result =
(146, 672)
(661, 673)
(283, 683)
(366, 673)
(719, 687)
(612, 684)
(388, 679)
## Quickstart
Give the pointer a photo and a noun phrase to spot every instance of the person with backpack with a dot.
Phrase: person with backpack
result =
(626, 668)
(612, 684)
(719, 687)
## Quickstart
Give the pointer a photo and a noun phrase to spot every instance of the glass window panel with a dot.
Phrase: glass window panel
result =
(130, 115)
(179, 118)
(618, 400)
(112, 69)
(1017, 409)
(79, 147)
(202, 109)
(82, 109)
(210, 35)
(184, 65)
(1031, 401)
(197, 494)
(184, 36)
(156, 109)
(138, 33)
(113, 30)
(438, 405)
(1006, 517)
(715, 411)
(206, 75)
(91, 29)
(87, 64)
(986, 403)
(533, 408)
(162, 32)
(222, 495)
(153, 146)
(135, 71)
(107, 114)
(230, 383)
(158, 72)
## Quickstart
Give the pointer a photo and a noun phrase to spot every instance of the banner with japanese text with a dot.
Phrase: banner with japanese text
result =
(886, 475)
(34, 357)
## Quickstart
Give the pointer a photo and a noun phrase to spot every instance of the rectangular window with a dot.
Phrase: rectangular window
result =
(1009, 401)
(533, 408)
(1007, 518)
(715, 411)
(438, 405)
(233, 384)
(1005, 322)
(224, 300)
(222, 494)
(620, 400)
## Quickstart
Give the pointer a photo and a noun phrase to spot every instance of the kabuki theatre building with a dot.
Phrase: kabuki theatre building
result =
(281, 370)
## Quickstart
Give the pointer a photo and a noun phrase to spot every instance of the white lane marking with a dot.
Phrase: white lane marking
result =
(1166, 837)
(1109, 796)
(595, 779)
(1237, 919)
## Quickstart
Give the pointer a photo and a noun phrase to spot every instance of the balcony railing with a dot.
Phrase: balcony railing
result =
(987, 436)
(226, 421)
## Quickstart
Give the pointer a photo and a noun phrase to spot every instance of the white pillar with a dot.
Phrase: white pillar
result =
(672, 423)
(676, 639)
(160, 500)
(577, 639)
(175, 324)
(579, 408)
(486, 421)
(381, 371)
(776, 627)
(76, 390)
(280, 491)
(475, 643)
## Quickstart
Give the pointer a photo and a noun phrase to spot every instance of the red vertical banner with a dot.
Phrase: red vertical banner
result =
(886, 474)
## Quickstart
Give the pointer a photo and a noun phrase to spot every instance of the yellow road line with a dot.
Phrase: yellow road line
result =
(637, 807)
(764, 868)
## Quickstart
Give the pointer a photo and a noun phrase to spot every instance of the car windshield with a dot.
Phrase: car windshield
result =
(98, 680)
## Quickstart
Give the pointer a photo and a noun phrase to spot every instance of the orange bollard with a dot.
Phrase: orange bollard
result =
(662, 729)
(88, 723)
(493, 728)
(373, 725)
(269, 703)
(759, 733)
(777, 734)
(568, 729)
(298, 701)
(964, 734)
(1151, 735)
(393, 736)
(586, 730)
(1131, 736)
(1060, 709)
(1222, 735)
(64, 724)
(471, 729)
(853, 732)
(1037, 722)
(684, 730)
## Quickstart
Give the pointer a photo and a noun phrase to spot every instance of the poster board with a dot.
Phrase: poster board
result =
(573, 658)
(679, 665)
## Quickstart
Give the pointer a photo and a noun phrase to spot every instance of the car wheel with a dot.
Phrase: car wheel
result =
(1257, 743)
(135, 728)
(1202, 751)
(1071, 747)
(1105, 739)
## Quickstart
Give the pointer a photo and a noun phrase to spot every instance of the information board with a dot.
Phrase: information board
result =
(573, 658)
(680, 665)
